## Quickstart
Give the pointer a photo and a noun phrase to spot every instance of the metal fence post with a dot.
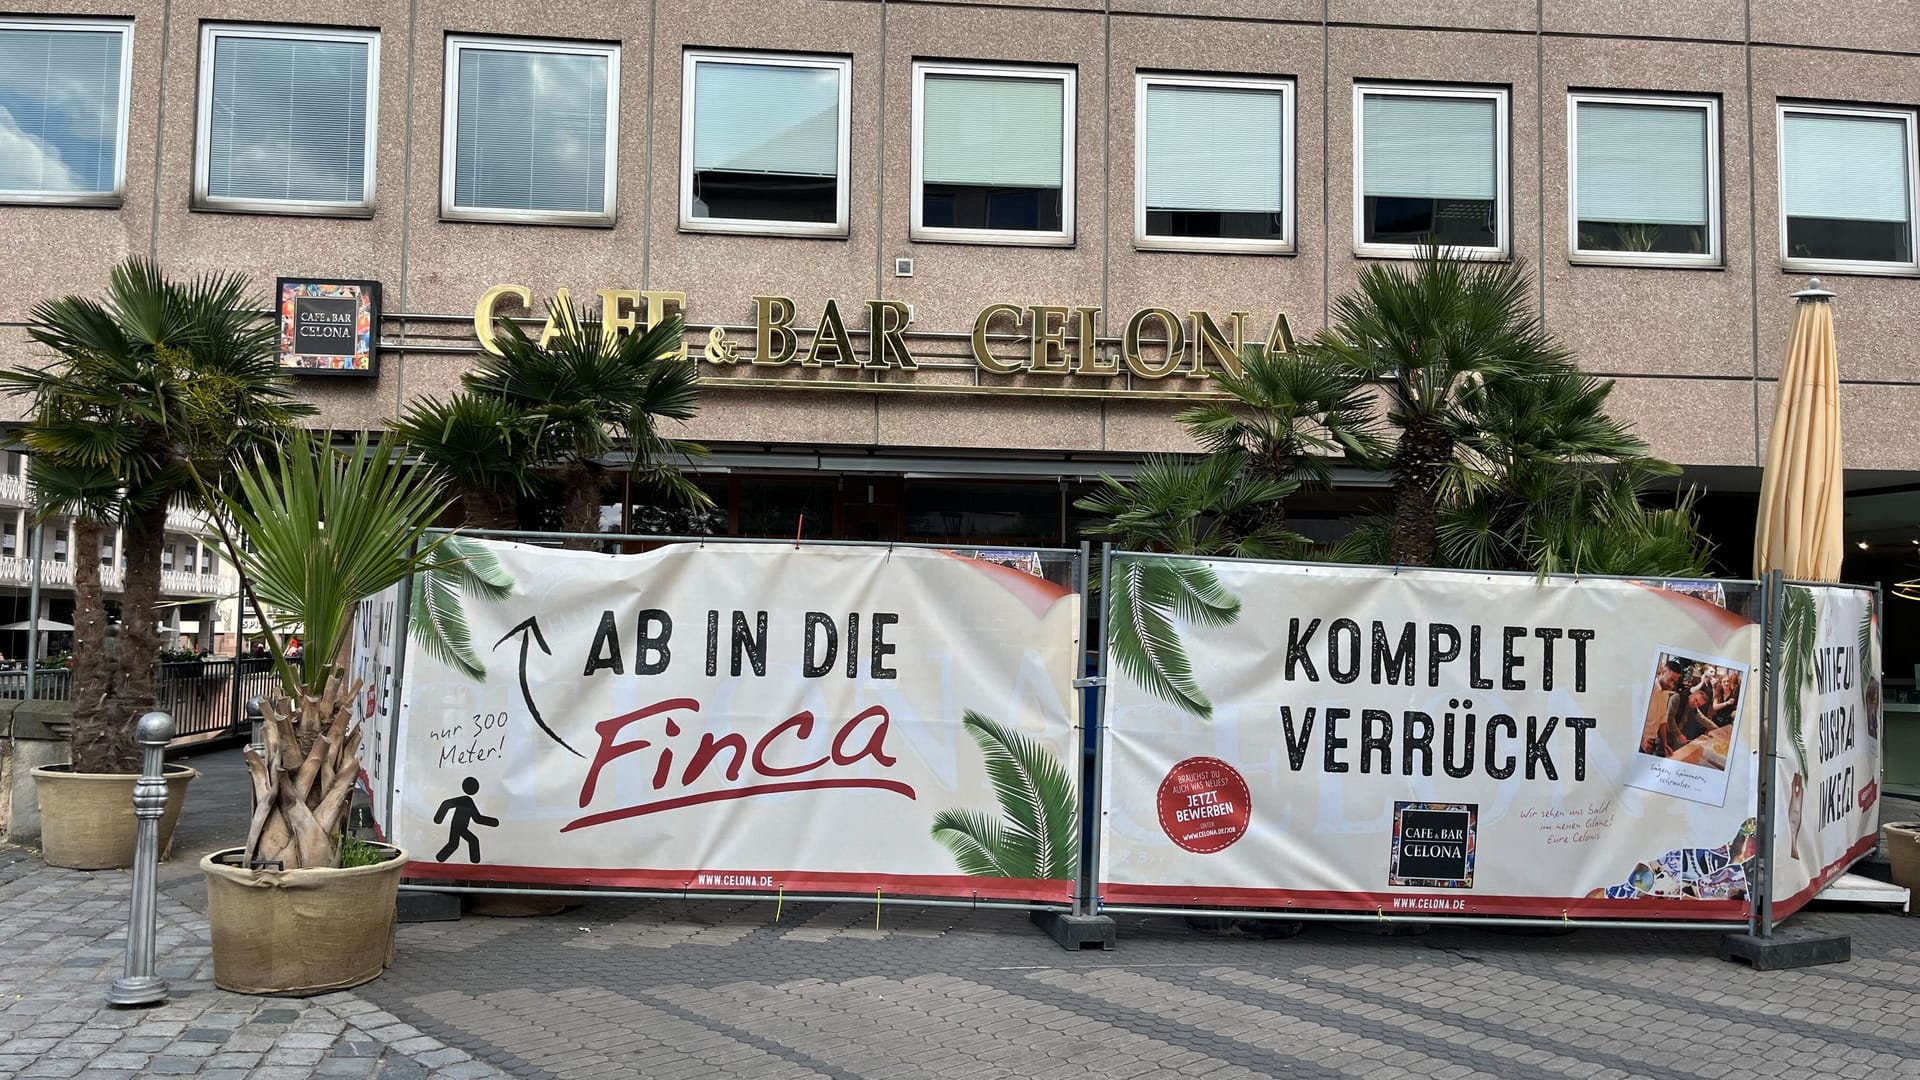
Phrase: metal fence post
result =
(1772, 604)
(1088, 903)
(140, 986)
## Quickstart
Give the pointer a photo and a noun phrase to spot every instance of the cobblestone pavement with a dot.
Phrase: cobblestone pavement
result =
(670, 990)
(63, 941)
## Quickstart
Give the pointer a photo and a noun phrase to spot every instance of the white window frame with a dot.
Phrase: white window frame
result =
(203, 199)
(693, 58)
(1847, 266)
(1145, 241)
(1069, 122)
(1714, 257)
(118, 193)
(1502, 180)
(450, 132)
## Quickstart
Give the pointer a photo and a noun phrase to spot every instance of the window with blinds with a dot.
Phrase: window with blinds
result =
(1846, 185)
(1646, 179)
(287, 120)
(530, 131)
(764, 144)
(993, 154)
(63, 109)
(1432, 169)
(1214, 163)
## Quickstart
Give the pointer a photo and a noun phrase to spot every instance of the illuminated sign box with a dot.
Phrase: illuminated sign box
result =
(329, 327)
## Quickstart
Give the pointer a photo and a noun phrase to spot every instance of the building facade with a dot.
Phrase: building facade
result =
(946, 263)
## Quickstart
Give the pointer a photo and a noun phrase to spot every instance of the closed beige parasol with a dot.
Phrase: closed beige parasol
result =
(1799, 529)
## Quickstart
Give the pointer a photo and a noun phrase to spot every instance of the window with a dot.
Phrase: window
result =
(106, 550)
(531, 132)
(209, 562)
(764, 144)
(1646, 180)
(287, 120)
(166, 557)
(1213, 164)
(10, 539)
(63, 110)
(1846, 188)
(59, 545)
(14, 460)
(187, 558)
(993, 154)
(1432, 169)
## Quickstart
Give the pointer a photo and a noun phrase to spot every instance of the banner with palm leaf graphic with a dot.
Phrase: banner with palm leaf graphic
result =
(1151, 599)
(1827, 657)
(752, 717)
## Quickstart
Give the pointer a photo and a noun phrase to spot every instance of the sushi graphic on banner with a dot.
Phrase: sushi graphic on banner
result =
(746, 716)
(1353, 738)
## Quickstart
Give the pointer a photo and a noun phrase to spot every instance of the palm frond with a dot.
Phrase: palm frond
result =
(977, 842)
(1036, 836)
(1799, 629)
(1144, 596)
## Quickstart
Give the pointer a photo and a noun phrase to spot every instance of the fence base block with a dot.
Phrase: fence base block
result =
(1076, 932)
(1787, 948)
(428, 907)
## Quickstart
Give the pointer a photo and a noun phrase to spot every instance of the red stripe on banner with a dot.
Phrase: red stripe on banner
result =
(723, 795)
(856, 886)
(1436, 904)
(1784, 908)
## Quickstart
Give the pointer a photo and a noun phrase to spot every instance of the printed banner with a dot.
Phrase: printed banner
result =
(370, 665)
(1347, 738)
(754, 717)
(1828, 768)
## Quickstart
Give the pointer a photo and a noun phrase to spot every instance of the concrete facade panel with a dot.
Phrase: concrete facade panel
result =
(1702, 20)
(1840, 24)
(1641, 320)
(1450, 14)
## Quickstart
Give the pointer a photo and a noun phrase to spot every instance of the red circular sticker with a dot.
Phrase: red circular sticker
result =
(1204, 805)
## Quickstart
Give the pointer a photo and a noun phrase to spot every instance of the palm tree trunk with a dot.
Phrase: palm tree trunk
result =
(486, 509)
(140, 615)
(1418, 466)
(98, 744)
(580, 505)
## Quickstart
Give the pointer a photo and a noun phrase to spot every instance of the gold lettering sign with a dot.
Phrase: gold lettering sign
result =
(1058, 339)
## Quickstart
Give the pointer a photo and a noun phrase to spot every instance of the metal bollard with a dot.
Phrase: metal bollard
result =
(140, 986)
(256, 718)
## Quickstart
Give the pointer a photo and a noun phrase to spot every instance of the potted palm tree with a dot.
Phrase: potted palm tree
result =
(301, 908)
(157, 378)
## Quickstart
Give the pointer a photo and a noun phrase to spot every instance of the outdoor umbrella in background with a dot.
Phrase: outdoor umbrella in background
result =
(1799, 528)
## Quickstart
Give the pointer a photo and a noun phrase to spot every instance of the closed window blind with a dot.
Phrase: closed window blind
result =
(59, 110)
(1429, 148)
(1642, 164)
(1213, 148)
(1853, 168)
(289, 120)
(766, 118)
(992, 131)
(531, 133)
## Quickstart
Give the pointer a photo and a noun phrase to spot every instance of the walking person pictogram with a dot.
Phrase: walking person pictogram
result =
(465, 814)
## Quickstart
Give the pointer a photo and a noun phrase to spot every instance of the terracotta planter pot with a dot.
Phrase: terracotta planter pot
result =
(1903, 852)
(86, 819)
(300, 932)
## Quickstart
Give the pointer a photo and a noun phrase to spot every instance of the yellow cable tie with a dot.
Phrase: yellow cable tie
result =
(876, 910)
(1563, 918)
(779, 900)
(1381, 912)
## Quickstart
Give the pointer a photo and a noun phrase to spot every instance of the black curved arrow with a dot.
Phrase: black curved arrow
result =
(532, 624)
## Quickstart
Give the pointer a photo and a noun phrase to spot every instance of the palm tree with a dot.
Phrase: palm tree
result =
(324, 530)
(1429, 332)
(159, 379)
(481, 444)
(588, 392)
(1035, 837)
(1544, 479)
(1289, 414)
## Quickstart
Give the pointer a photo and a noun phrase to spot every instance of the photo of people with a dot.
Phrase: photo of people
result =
(1693, 714)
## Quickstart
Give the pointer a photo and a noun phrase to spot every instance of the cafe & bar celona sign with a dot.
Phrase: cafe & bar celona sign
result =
(1007, 339)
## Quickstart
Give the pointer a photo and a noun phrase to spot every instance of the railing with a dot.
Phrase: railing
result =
(204, 697)
(13, 490)
(19, 572)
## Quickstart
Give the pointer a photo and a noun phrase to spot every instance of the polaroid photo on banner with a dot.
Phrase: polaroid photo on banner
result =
(1691, 727)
